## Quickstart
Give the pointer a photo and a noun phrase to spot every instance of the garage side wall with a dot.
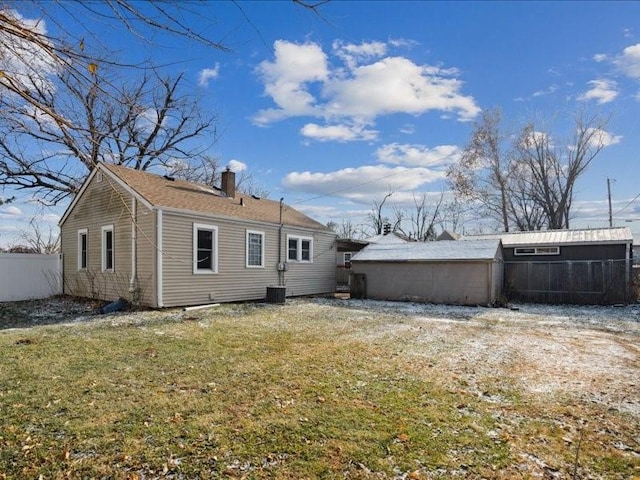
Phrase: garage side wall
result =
(460, 283)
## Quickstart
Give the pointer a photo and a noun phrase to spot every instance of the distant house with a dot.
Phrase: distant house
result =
(461, 273)
(567, 266)
(165, 242)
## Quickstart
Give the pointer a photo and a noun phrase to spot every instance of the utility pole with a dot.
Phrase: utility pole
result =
(609, 195)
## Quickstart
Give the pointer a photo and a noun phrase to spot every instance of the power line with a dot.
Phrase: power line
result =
(628, 204)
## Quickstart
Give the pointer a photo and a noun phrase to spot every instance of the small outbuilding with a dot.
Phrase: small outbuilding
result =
(460, 273)
(583, 266)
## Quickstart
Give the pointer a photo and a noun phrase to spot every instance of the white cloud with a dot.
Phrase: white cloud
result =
(601, 138)
(10, 212)
(339, 133)
(207, 74)
(602, 91)
(301, 82)
(548, 91)
(237, 166)
(27, 63)
(600, 57)
(418, 155)
(286, 80)
(408, 129)
(397, 85)
(352, 54)
(361, 184)
(628, 62)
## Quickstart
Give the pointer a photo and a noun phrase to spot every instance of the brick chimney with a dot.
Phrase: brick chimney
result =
(229, 183)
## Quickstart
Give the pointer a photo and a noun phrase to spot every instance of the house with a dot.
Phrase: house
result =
(164, 242)
(461, 273)
(589, 266)
(345, 249)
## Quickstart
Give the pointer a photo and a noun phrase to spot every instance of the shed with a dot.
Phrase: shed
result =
(461, 273)
(590, 266)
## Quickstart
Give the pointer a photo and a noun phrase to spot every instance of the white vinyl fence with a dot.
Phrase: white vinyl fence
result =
(25, 276)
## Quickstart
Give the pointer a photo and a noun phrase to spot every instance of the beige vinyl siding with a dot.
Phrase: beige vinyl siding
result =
(463, 283)
(317, 276)
(234, 280)
(103, 203)
(146, 255)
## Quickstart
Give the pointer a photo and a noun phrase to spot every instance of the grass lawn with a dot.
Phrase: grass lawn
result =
(305, 390)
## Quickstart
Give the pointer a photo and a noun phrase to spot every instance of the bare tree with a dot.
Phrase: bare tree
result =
(424, 218)
(346, 229)
(141, 124)
(207, 171)
(48, 81)
(528, 183)
(481, 174)
(555, 166)
(375, 217)
(40, 239)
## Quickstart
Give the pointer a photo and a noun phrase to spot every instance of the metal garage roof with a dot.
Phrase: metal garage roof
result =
(470, 250)
(561, 237)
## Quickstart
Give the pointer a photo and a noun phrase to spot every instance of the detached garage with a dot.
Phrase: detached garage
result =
(460, 273)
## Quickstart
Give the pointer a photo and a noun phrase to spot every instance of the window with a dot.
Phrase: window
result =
(255, 249)
(107, 249)
(299, 249)
(347, 259)
(205, 248)
(82, 249)
(536, 251)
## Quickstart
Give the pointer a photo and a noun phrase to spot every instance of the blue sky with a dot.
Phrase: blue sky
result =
(332, 111)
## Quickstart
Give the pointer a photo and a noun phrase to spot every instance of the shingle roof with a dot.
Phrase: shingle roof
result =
(182, 195)
(485, 250)
(561, 237)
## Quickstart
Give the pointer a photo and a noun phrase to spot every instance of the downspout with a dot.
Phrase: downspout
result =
(627, 270)
(280, 264)
(159, 300)
(134, 246)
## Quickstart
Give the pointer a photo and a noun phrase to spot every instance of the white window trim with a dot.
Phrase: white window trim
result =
(103, 251)
(85, 232)
(299, 240)
(214, 266)
(254, 232)
(536, 251)
(344, 257)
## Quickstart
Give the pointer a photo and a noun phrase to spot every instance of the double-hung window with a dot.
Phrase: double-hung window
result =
(255, 249)
(82, 249)
(299, 249)
(205, 248)
(108, 257)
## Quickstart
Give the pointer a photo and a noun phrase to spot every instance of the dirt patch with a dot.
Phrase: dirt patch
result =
(31, 313)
